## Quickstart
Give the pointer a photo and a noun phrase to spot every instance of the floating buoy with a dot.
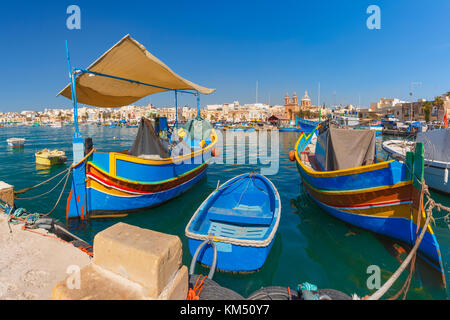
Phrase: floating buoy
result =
(292, 155)
(215, 152)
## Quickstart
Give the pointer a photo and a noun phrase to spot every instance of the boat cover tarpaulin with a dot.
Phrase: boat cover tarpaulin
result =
(436, 144)
(147, 143)
(344, 148)
(130, 60)
(198, 129)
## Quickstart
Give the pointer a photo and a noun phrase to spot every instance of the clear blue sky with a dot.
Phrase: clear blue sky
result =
(229, 45)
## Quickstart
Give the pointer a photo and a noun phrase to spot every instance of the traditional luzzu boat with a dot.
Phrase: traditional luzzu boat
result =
(306, 125)
(235, 227)
(158, 167)
(339, 171)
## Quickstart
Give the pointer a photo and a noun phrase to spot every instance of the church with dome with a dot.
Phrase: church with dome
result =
(291, 107)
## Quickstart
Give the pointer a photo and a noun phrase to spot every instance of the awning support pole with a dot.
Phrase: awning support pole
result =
(74, 92)
(77, 141)
(198, 104)
(176, 108)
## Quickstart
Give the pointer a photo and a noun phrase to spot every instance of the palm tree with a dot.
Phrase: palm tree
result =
(439, 103)
(427, 106)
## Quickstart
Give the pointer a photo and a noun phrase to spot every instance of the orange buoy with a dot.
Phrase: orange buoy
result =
(215, 152)
(292, 155)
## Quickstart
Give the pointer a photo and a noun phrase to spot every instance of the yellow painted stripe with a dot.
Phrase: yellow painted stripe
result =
(357, 191)
(392, 211)
(389, 211)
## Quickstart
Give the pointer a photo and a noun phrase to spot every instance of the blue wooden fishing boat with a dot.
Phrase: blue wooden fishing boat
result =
(340, 172)
(237, 223)
(154, 170)
(306, 125)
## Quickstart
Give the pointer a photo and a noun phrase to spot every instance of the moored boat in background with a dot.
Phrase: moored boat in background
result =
(46, 157)
(16, 142)
(437, 156)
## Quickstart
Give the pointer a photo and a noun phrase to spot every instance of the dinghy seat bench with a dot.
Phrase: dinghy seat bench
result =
(242, 214)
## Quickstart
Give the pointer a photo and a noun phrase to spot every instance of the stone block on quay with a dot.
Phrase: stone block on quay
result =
(146, 257)
(7, 193)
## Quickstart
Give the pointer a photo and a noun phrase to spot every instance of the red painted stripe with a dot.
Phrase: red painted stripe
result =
(90, 174)
(68, 204)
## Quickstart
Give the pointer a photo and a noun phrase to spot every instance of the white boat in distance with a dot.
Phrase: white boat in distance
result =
(16, 142)
(437, 156)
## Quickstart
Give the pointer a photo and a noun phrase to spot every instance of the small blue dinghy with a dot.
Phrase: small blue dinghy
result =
(234, 228)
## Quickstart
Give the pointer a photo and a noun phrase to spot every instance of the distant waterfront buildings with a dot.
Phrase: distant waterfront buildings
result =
(235, 112)
(407, 111)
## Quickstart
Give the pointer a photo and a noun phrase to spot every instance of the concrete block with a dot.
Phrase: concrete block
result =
(7, 193)
(97, 284)
(177, 289)
(146, 257)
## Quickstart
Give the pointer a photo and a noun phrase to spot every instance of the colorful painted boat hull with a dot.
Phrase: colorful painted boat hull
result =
(241, 217)
(110, 184)
(381, 198)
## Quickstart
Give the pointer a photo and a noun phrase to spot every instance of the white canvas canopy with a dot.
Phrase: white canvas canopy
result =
(127, 59)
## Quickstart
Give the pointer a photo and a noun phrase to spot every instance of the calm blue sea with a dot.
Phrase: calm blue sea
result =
(310, 245)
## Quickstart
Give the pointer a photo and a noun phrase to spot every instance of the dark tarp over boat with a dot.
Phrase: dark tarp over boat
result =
(147, 142)
(339, 149)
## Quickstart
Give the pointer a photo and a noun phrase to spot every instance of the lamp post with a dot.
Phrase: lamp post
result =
(411, 95)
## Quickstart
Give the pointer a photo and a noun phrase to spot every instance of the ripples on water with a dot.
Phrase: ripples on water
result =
(310, 245)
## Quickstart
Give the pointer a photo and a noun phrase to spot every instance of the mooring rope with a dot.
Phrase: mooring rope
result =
(60, 195)
(41, 183)
(57, 175)
(52, 189)
(66, 178)
(430, 205)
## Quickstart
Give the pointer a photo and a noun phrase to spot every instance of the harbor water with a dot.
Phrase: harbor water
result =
(310, 245)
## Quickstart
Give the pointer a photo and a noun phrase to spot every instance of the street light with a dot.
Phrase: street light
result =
(411, 95)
